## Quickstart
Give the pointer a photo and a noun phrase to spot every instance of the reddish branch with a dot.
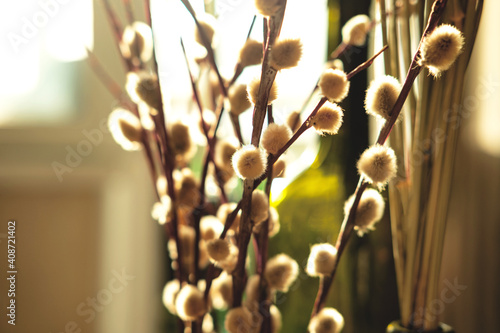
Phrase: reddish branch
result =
(348, 223)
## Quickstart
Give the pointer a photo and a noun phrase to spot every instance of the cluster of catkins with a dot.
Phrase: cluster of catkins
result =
(232, 158)
(377, 164)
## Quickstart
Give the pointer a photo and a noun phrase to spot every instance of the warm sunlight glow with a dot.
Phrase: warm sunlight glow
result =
(38, 36)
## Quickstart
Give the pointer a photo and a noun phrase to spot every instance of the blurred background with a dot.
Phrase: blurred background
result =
(89, 256)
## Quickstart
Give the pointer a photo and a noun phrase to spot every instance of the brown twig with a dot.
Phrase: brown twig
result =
(168, 164)
(413, 71)
(128, 11)
(198, 211)
(211, 59)
(147, 11)
(207, 45)
(262, 239)
(204, 126)
(111, 85)
(115, 90)
(117, 28)
(239, 68)
(348, 223)
(366, 64)
(268, 75)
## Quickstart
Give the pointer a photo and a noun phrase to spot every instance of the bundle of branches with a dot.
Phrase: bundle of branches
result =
(209, 238)
(425, 143)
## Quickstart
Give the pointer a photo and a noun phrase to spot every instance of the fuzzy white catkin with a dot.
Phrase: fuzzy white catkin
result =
(207, 23)
(161, 185)
(207, 326)
(222, 291)
(381, 96)
(251, 53)
(281, 271)
(293, 121)
(378, 164)
(252, 291)
(275, 137)
(209, 119)
(125, 128)
(186, 188)
(190, 303)
(269, 7)
(238, 99)
(224, 151)
(210, 227)
(334, 84)
(279, 168)
(328, 320)
(186, 241)
(181, 143)
(253, 91)
(336, 64)
(441, 48)
(137, 42)
(218, 249)
(203, 259)
(286, 53)
(328, 119)
(370, 210)
(355, 30)
(274, 223)
(238, 320)
(321, 260)
(249, 162)
(229, 264)
(162, 210)
(276, 319)
(259, 211)
(226, 209)
(170, 292)
(147, 89)
(131, 82)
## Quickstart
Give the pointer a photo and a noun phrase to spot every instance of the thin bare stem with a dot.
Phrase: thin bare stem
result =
(111, 85)
(366, 64)
(207, 45)
(204, 126)
(239, 68)
(129, 11)
(413, 71)
(262, 239)
(117, 28)
(115, 22)
(198, 211)
(251, 27)
(348, 223)
(235, 120)
(168, 164)
(147, 11)
(115, 90)
(268, 75)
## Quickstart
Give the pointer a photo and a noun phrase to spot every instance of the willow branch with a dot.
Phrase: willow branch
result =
(348, 222)
(117, 28)
(207, 45)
